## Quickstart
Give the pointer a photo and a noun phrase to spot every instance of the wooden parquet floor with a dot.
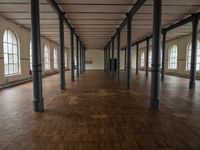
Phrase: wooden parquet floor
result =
(95, 113)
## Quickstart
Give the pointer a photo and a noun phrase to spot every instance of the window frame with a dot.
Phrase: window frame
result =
(173, 57)
(11, 48)
(142, 61)
(47, 59)
(55, 58)
(188, 56)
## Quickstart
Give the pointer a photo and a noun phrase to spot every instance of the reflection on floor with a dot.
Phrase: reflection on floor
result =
(95, 113)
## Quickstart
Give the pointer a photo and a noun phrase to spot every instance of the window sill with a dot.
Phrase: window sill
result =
(12, 75)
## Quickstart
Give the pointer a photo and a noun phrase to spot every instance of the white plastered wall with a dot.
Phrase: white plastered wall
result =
(24, 37)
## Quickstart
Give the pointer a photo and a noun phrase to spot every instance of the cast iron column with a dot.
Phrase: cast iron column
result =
(118, 56)
(113, 61)
(147, 57)
(128, 71)
(163, 56)
(194, 52)
(38, 102)
(72, 55)
(155, 74)
(137, 49)
(77, 56)
(62, 53)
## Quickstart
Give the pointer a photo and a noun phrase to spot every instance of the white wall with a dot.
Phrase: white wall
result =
(182, 44)
(24, 37)
(96, 57)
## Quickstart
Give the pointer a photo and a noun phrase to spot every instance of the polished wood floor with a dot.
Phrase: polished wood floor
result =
(95, 113)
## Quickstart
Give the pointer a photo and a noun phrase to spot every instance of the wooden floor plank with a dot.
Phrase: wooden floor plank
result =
(95, 113)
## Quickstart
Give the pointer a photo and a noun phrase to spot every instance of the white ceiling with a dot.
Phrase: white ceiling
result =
(96, 21)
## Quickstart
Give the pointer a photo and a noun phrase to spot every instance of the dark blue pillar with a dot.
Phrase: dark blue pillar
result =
(163, 56)
(194, 52)
(62, 53)
(38, 102)
(155, 73)
(118, 56)
(128, 71)
(72, 55)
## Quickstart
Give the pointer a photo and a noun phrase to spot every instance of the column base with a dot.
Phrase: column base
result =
(154, 104)
(38, 106)
(63, 86)
(192, 85)
(162, 78)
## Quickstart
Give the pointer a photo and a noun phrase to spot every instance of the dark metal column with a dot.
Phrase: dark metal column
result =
(194, 52)
(137, 49)
(38, 102)
(155, 74)
(147, 57)
(77, 56)
(72, 55)
(163, 56)
(113, 60)
(118, 56)
(128, 71)
(62, 54)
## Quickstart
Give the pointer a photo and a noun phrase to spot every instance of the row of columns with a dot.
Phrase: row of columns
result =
(157, 74)
(38, 102)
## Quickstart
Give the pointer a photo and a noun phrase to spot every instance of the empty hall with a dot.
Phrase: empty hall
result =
(99, 75)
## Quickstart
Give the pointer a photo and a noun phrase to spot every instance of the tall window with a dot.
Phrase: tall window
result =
(172, 63)
(189, 52)
(150, 58)
(46, 57)
(11, 53)
(30, 55)
(142, 60)
(55, 58)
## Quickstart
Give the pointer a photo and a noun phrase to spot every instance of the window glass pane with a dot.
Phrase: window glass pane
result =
(10, 69)
(10, 48)
(5, 58)
(10, 59)
(5, 47)
(16, 68)
(15, 58)
(9, 36)
(5, 36)
(6, 68)
(14, 40)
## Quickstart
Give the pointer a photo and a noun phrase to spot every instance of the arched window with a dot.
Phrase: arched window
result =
(11, 53)
(55, 58)
(142, 59)
(30, 55)
(46, 57)
(150, 58)
(189, 52)
(172, 63)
